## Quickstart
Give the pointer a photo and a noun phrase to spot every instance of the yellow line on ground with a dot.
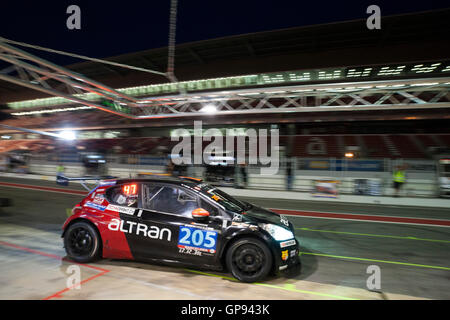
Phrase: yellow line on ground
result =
(373, 235)
(375, 260)
(287, 286)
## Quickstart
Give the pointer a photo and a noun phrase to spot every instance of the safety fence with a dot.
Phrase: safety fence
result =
(327, 176)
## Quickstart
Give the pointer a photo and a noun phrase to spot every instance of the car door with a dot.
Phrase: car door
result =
(150, 237)
(123, 206)
(181, 237)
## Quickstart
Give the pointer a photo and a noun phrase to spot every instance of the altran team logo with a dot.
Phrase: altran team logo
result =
(140, 229)
(251, 147)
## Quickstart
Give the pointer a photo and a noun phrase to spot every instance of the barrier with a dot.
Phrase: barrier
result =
(423, 187)
(296, 195)
(421, 181)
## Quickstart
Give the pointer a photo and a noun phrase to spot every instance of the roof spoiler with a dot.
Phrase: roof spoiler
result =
(190, 178)
(64, 181)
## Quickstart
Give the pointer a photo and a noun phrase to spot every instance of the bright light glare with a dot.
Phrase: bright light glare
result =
(67, 135)
(349, 155)
(278, 233)
(209, 108)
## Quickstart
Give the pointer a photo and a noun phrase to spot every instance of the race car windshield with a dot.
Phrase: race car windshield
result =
(227, 201)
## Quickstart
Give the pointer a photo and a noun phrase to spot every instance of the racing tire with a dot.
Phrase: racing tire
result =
(249, 260)
(82, 242)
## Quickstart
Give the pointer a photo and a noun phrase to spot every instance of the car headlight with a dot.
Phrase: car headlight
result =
(278, 233)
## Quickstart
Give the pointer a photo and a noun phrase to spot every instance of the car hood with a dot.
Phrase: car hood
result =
(261, 215)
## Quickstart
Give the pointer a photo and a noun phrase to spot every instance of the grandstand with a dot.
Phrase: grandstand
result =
(403, 146)
(414, 124)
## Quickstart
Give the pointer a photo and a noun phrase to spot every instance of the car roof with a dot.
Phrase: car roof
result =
(162, 179)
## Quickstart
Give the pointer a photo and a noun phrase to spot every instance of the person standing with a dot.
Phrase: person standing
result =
(399, 178)
(60, 170)
(289, 176)
(60, 179)
(244, 175)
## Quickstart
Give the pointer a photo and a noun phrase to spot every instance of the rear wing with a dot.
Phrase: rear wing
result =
(100, 180)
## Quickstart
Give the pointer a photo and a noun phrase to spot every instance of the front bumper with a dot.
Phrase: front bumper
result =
(288, 256)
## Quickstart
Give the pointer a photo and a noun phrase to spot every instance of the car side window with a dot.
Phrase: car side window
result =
(123, 195)
(149, 191)
(173, 200)
(213, 211)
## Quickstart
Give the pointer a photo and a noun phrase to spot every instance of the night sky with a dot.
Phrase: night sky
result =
(111, 28)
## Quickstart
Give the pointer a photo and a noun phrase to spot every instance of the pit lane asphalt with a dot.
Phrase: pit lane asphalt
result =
(414, 260)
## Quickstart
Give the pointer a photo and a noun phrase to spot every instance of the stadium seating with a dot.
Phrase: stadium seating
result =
(428, 142)
(408, 146)
(316, 146)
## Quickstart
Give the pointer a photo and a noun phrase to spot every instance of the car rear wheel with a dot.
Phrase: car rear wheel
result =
(249, 260)
(82, 242)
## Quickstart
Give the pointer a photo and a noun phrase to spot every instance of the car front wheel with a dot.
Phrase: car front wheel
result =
(82, 242)
(249, 260)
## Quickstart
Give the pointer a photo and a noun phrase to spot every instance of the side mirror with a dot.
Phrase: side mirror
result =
(200, 214)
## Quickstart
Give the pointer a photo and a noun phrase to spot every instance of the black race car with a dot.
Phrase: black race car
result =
(180, 220)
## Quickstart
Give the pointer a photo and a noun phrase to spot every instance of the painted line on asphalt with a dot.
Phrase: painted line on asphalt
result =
(53, 256)
(373, 235)
(286, 287)
(374, 260)
(364, 217)
(59, 293)
(354, 214)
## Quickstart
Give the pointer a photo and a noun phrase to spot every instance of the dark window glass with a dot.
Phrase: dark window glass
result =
(213, 211)
(149, 192)
(173, 200)
(222, 198)
(123, 197)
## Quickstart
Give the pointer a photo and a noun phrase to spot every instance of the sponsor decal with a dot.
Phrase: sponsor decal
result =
(140, 229)
(240, 224)
(224, 223)
(98, 199)
(244, 225)
(95, 206)
(197, 239)
(284, 220)
(120, 209)
(284, 255)
(190, 251)
(199, 225)
(288, 243)
(293, 253)
(237, 217)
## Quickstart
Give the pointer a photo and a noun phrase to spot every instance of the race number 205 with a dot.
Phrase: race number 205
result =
(198, 239)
